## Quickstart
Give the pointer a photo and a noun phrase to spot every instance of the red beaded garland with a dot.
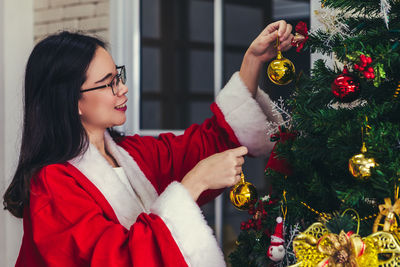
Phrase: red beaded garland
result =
(362, 66)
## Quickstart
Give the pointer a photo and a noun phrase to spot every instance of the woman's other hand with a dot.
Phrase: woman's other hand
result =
(217, 171)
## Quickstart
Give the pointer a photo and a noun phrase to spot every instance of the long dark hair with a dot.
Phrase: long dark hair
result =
(52, 129)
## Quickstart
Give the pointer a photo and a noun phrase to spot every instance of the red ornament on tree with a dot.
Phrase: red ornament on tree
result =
(280, 164)
(346, 87)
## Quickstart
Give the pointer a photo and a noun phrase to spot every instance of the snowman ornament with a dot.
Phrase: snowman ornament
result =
(276, 250)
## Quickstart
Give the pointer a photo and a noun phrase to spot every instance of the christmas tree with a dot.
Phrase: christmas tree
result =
(340, 151)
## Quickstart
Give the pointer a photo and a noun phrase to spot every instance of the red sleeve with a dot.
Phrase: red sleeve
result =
(168, 158)
(65, 226)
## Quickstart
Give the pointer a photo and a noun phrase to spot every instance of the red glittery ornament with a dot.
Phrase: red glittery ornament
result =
(346, 87)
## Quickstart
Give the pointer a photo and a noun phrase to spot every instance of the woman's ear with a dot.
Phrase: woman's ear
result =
(79, 109)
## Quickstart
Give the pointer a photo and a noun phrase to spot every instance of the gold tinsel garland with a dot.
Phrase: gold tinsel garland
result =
(328, 216)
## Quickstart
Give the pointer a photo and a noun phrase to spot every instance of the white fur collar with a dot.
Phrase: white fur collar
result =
(175, 205)
(124, 199)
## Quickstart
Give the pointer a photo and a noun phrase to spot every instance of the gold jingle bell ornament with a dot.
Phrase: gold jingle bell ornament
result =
(360, 166)
(243, 194)
(281, 71)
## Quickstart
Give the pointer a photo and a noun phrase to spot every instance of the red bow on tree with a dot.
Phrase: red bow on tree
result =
(301, 36)
(280, 164)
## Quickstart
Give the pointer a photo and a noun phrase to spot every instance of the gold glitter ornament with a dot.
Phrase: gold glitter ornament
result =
(360, 165)
(281, 71)
(243, 194)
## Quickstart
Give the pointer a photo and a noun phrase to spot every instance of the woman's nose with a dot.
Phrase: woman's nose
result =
(123, 89)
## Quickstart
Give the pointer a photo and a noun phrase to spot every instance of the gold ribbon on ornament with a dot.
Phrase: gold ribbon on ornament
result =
(342, 250)
(388, 211)
(318, 247)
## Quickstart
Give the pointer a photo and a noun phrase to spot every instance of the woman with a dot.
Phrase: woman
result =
(89, 197)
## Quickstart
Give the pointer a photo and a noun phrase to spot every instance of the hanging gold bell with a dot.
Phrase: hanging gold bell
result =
(281, 71)
(243, 194)
(360, 166)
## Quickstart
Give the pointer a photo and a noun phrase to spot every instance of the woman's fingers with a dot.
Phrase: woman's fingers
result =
(239, 151)
(286, 38)
(216, 171)
(238, 170)
(237, 177)
(287, 33)
(240, 161)
(282, 28)
(279, 26)
(287, 44)
(275, 29)
(266, 40)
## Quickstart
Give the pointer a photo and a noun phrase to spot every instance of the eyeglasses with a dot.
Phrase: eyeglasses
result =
(114, 84)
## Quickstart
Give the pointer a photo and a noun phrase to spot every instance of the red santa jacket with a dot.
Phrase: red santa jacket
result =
(81, 214)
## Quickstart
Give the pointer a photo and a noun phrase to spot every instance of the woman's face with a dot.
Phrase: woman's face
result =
(100, 109)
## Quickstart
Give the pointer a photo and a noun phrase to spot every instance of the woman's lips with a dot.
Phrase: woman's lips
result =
(121, 107)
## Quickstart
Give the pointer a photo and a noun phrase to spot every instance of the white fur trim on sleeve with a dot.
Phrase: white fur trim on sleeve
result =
(266, 105)
(188, 227)
(247, 116)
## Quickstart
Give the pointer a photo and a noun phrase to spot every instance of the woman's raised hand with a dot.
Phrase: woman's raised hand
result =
(217, 171)
(263, 49)
(264, 46)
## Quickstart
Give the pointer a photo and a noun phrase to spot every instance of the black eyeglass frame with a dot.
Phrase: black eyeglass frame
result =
(121, 76)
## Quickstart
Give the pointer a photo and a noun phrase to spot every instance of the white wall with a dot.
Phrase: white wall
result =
(16, 41)
(54, 15)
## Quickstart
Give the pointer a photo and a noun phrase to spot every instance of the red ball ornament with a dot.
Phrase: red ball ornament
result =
(346, 87)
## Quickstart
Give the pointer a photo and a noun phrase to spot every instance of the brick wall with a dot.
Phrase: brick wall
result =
(51, 16)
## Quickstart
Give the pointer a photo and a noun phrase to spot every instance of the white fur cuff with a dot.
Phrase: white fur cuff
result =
(188, 227)
(266, 105)
(247, 116)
